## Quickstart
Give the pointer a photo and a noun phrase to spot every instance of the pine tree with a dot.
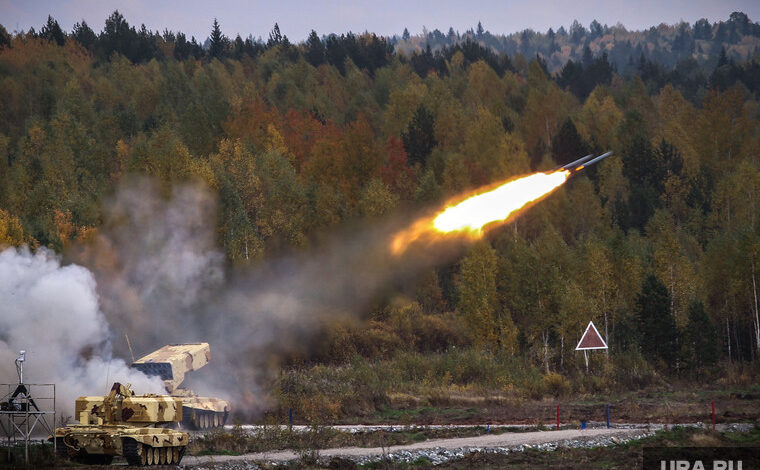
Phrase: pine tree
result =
(568, 145)
(657, 327)
(53, 32)
(419, 139)
(275, 37)
(700, 337)
(315, 50)
(83, 34)
(5, 40)
(219, 42)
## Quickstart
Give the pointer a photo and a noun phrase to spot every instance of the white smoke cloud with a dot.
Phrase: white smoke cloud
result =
(160, 277)
(52, 312)
(155, 261)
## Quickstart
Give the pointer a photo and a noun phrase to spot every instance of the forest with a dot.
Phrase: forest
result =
(659, 245)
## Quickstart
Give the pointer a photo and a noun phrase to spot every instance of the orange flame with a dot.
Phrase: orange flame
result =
(469, 217)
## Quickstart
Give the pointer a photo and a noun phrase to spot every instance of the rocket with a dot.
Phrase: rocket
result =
(582, 163)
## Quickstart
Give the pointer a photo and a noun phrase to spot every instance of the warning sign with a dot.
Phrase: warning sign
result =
(591, 339)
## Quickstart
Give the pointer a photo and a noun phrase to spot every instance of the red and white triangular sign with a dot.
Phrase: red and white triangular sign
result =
(591, 339)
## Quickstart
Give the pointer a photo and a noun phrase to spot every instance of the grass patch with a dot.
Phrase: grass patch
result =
(40, 455)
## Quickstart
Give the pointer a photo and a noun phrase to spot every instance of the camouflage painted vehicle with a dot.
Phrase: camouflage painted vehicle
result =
(171, 363)
(119, 424)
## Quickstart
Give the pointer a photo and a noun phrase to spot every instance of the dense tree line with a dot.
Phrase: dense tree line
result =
(665, 45)
(658, 246)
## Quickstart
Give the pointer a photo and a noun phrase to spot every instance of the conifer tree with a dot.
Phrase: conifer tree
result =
(315, 50)
(701, 339)
(419, 139)
(275, 36)
(658, 334)
(53, 32)
(219, 42)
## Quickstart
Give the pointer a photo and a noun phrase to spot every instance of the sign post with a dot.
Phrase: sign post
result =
(591, 339)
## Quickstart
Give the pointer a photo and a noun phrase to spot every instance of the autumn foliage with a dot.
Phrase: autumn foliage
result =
(298, 140)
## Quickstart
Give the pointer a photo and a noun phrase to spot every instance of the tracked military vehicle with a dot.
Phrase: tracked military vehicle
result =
(171, 363)
(124, 424)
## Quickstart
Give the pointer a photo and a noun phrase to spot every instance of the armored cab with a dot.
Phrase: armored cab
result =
(124, 424)
(171, 362)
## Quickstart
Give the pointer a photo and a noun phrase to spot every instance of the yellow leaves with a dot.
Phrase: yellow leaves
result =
(612, 183)
(401, 107)
(328, 206)
(11, 231)
(68, 232)
(122, 155)
(492, 154)
(376, 199)
(677, 122)
(485, 89)
(675, 196)
(536, 75)
(235, 159)
(736, 198)
(671, 265)
(477, 287)
(276, 143)
(598, 119)
(585, 217)
(35, 140)
(544, 112)
(722, 125)
(457, 61)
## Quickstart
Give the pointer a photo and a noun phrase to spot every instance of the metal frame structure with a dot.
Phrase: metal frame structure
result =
(27, 406)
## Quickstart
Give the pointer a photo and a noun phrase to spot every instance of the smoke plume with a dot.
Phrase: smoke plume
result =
(52, 312)
(161, 280)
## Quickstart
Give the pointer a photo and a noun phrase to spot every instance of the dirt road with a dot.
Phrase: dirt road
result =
(480, 442)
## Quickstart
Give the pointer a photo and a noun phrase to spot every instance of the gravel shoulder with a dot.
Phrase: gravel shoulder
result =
(477, 442)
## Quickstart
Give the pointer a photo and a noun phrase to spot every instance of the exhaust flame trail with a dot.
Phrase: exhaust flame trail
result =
(468, 217)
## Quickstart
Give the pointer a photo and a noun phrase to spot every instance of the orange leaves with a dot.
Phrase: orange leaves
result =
(395, 172)
(68, 231)
(301, 131)
(343, 158)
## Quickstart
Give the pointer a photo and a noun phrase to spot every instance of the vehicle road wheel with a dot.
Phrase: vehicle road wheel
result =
(178, 460)
(134, 452)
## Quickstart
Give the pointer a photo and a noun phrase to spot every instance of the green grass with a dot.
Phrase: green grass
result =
(396, 415)
(744, 438)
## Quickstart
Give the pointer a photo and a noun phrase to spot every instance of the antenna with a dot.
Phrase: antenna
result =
(108, 375)
(130, 347)
(20, 366)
